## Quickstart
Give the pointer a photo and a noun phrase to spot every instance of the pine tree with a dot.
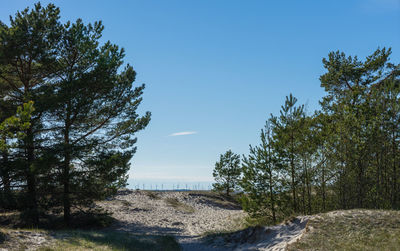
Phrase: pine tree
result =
(344, 156)
(227, 172)
(11, 128)
(81, 135)
(261, 177)
(93, 116)
(354, 103)
(287, 143)
(27, 59)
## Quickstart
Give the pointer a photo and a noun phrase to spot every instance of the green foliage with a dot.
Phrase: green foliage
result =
(261, 177)
(362, 102)
(227, 172)
(13, 127)
(287, 133)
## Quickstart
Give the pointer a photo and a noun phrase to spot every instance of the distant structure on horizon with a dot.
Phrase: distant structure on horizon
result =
(171, 187)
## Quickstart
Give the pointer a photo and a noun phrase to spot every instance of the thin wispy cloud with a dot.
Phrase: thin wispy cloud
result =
(182, 133)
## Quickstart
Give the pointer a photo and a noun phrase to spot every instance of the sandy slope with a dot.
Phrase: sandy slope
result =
(273, 238)
(186, 215)
(150, 213)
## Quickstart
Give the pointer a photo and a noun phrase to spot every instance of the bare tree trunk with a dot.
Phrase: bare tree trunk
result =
(303, 189)
(271, 192)
(323, 188)
(308, 191)
(66, 171)
(31, 178)
(5, 176)
(394, 185)
(293, 174)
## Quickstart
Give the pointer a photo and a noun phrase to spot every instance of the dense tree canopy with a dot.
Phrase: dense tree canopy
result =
(346, 155)
(79, 139)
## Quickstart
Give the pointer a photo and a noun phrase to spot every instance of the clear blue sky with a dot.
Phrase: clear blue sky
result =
(219, 68)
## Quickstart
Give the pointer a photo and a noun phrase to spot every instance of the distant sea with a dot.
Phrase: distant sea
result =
(168, 184)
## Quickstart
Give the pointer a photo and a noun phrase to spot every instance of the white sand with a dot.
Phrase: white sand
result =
(139, 213)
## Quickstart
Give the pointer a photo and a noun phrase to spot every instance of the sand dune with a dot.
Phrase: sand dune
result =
(189, 215)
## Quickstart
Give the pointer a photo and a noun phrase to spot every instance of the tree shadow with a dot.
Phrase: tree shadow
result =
(137, 228)
(124, 192)
(119, 240)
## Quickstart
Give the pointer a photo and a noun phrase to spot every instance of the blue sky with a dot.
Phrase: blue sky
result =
(215, 70)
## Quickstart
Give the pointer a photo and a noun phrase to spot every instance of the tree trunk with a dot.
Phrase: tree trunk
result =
(294, 192)
(270, 183)
(343, 186)
(6, 181)
(308, 193)
(394, 186)
(293, 174)
(66, 171)
(272, 199)
(31, 178)
(323, 188)
(303, 189)
(360, 196)
(66, 198)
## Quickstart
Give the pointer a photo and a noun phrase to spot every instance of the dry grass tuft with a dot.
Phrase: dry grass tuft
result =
(153, 195)
(352, 230)
(179, 206)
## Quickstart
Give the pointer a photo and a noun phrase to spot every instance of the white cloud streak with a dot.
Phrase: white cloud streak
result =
(182, 133)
